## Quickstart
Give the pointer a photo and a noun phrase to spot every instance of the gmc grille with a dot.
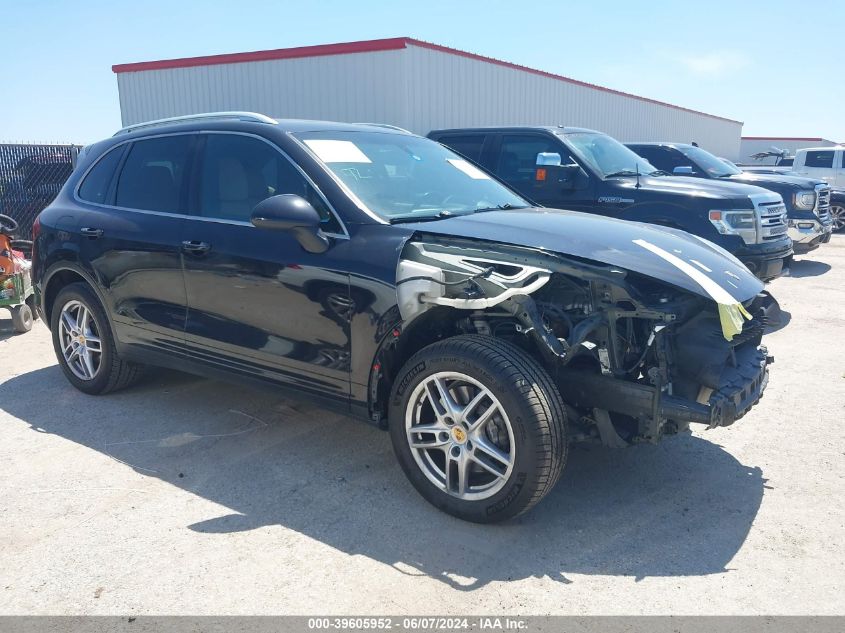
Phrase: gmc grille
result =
(773, 221)
(823, 203)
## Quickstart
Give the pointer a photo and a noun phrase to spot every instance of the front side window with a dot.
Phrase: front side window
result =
(96, 186)
(714, 167)
(154, 174)
(607, 156)
(822, 159)
(517, 163)
(399, 176)
(240, 171)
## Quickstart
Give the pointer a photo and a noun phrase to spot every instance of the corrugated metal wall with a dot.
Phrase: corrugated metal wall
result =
(360, 87)
(453, 91)
(416, 88)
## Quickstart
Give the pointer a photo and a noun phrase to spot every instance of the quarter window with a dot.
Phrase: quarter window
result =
(154, 173)
(95, 187)
(467, 145)
(819, 159)
(240, 171)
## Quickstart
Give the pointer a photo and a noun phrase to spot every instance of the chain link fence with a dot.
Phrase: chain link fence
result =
(30, 177)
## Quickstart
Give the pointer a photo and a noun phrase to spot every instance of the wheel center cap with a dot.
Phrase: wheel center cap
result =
(81, 339)
(459, 435)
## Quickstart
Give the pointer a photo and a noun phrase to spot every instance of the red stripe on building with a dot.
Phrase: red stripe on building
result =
(371, 46)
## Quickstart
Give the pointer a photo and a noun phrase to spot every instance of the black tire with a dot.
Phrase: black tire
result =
(113, 372)
(22, 318)
(531, 402)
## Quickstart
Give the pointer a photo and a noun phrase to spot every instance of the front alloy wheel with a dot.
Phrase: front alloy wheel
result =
(478, 426)
(837, 214)
(460, 436)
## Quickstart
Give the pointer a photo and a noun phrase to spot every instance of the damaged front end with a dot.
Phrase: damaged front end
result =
(634, 358)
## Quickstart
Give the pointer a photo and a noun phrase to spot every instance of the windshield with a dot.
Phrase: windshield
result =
(608, 156)
(398, 176)
(714, 167)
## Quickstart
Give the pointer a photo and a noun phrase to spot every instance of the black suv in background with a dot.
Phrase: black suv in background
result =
(585, 170)
(807, 200)
(381, 274)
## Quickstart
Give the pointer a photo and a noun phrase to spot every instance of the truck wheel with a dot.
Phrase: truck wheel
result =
(22, 318)
(837, 214)
(84, 343)
(479, 427)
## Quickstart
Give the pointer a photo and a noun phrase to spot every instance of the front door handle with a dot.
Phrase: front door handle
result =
(195, 247)
(91, 233)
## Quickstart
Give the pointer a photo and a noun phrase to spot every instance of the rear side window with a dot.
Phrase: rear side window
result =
(467, 145)
(819, 159)
(96, 186)
(240, 171)
(154, 173)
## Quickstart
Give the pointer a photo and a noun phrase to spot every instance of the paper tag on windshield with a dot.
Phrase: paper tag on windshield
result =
(468, 168)
(330, 151)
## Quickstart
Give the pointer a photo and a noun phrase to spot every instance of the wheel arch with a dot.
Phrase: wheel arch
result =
(59, 276)
(398, 345)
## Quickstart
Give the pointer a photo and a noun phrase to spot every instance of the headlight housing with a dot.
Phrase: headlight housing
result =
(804, 200)
(741, 222)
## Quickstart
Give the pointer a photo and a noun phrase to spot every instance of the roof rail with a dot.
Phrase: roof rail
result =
(388, 126)
(254, 117)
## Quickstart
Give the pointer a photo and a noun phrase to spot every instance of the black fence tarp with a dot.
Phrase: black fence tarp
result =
(30, 177)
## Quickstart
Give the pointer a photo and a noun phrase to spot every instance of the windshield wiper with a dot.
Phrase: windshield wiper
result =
(499, 207)
(413, 217)
(623, 172)
(659, 172)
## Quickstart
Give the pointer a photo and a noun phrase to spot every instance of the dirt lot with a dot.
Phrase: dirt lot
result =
(189, 496)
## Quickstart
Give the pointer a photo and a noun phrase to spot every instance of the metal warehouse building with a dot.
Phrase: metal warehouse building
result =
(409, 83)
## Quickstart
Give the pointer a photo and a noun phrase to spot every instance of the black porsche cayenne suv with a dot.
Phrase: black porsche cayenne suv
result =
(381, 274)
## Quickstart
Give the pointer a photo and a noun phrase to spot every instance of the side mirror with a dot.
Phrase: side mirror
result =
(548, 159)
(686, 170)
(559, 176)
(291, 213)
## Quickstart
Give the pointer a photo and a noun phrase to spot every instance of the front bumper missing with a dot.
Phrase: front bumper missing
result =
(741, 388)
(808, 235)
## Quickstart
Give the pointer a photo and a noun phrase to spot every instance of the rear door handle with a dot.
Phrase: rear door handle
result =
(91, 233)
(195, 247)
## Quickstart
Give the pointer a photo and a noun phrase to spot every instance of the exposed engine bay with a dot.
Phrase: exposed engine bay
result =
(633, 357)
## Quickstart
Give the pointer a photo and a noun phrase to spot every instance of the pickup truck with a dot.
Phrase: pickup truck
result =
(807, 200)
(828, 164)
(586, 170)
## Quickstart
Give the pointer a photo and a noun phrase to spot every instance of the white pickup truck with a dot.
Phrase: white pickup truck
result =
(828, 164)
(824, 163)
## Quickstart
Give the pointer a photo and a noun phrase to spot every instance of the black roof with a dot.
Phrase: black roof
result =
(662, 144)
(554, 129)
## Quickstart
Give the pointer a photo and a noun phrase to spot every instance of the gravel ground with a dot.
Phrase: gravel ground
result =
(184, 495)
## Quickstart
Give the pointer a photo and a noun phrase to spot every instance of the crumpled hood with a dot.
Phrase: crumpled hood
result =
(783, 180)
(689, 186)
(669, 255)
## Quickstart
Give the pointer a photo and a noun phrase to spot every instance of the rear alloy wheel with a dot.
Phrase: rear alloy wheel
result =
(478, 427)
(837, 214)
(79, 336)
(84, 345)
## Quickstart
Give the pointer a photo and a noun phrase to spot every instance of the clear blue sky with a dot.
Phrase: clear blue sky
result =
(774, 65)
